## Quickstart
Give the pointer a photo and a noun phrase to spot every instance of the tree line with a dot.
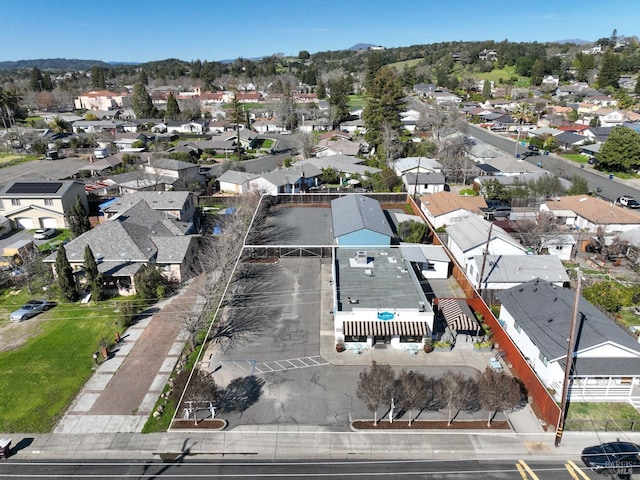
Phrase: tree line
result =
(413, 392)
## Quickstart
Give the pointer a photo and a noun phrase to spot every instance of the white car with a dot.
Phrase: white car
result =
(45, 233)
(629, 202)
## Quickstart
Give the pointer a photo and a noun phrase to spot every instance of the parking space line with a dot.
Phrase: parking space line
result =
(521, 463)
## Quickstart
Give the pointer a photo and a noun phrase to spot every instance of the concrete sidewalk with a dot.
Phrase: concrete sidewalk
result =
(299, 441)
(121, 394)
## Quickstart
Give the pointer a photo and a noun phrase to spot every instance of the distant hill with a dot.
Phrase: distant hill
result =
(362, 46)
(55, 64)
(577, 41)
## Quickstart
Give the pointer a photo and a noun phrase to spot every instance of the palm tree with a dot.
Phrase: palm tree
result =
(59, 125)
(521, 113)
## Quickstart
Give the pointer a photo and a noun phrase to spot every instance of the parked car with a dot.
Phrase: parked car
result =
(533, 148)
(45, 233)
(530, 153)
(30, 309)
(629, 202)
(613, 458)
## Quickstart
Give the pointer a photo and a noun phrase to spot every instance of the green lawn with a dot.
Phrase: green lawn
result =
(601, 416)
(356, 101)
(7, 159)
(501, 73)
(41, 377)
(575, 157)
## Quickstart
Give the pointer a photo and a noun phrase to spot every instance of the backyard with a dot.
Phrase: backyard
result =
(47, 359)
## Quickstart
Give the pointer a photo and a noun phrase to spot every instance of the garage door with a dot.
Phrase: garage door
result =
(25, 222)
(49, 222)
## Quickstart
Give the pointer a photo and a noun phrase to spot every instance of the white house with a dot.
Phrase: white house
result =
(474, 236)
(501, 272)
(433, 260)
(421, 183)
(537, 316)
(446, 208)
(561, 245)
(584, 212)
(233, 181)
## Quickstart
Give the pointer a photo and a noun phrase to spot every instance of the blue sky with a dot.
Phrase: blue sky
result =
(145, 30)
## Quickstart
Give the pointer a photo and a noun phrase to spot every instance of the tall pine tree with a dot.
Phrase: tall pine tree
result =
(66, 281)
(609, 73)
(383, 104)
(78, 218)
(173, 110)
(141, 102)
(93, 276)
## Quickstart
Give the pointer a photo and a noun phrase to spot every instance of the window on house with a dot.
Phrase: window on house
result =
(543, 359)
(48, 201)
(15, 201)
(517, 327)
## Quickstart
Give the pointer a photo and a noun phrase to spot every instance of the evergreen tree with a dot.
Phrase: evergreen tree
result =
(374, 64)
(321, 91)
(486, 90)
(36, 80)
(142, 104)
(147, 281)
(339, 90)
(144, 79)
(47, 82)
(78, 218)
(636, 89)
(173, 110)
(621, 151)
(93, 276)
(383, 104)
(97, 78)
(609, 73)
(66, 281)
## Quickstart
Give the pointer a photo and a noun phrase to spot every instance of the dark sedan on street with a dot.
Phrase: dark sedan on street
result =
(613, 458)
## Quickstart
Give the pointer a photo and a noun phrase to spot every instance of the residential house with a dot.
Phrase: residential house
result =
(421, 183)
(491, 55)
(344, 165)
(233, 181)
(102, 100)
(473, 236)
(138, 235)
(326, 148)
(537, 316)
(198, 127)
(568, 140)
(491, 273)
(40, 204)
(424, 89)
(180, 205)
(446, 208)
(359, 221)
(295, 179)
(406, 165)
(184, 172)
(550, 81)
(98, 126)
(102, 166)
(587, 213)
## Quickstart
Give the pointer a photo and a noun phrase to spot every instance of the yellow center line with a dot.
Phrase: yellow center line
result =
(577, 469)
(571, 471)
(523, 474)
(528, 469)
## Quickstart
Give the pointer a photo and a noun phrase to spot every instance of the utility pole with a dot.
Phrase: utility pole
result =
(484, 260)
(415, 186)
(568, 364)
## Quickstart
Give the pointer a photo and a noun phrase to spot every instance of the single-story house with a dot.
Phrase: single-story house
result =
(446, 208)
(606, 359)
(359, 221)
(421, 183)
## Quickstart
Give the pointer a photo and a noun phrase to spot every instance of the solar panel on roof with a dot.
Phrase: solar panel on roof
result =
(34, 187)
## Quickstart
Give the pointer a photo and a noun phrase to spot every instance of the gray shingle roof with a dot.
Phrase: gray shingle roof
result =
(544, 312)
(522, 268)
(353, 212)
(156, 200)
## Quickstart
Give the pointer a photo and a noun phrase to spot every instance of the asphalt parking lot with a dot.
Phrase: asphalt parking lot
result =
(301, 386)
(41, 170)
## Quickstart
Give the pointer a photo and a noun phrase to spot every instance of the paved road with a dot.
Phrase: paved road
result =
(609, 189)
(41, 170)
(184, 467)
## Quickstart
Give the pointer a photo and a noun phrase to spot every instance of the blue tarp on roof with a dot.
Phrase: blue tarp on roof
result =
(104, 205)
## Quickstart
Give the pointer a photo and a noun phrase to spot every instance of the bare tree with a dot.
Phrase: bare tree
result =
(305, 143)
(537, 233)
(375, 387)
(410, 389)
(497, 391)
(390, 144)
(459, 393)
